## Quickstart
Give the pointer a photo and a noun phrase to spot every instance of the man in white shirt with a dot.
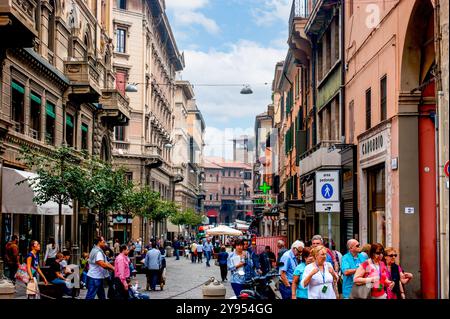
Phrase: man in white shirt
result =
(98, 270)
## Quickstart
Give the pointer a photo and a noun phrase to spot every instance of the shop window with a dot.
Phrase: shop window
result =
(35, 116)
(17, 106)
(69, 130)
(50, 118)
(376, 195)
(122, 4)
(84, 136)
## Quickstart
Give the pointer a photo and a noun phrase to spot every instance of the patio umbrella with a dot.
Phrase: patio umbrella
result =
(223, 230)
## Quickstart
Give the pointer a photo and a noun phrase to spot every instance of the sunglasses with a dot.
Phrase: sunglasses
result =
(357, 246)
(393, 255)
(379, 252)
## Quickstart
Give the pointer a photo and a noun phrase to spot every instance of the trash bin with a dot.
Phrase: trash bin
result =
(214, 290)
(7, 289)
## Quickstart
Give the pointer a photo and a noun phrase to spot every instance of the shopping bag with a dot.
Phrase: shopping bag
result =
(360, 292)
(22, 274)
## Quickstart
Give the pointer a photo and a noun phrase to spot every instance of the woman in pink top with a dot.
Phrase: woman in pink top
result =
(374, 273)
(122, 273)
(396, 274)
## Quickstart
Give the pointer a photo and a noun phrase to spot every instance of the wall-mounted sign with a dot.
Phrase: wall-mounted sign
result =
(409, 210)
(447, 168)
(322, 207)
(309, 191)
(373, 145)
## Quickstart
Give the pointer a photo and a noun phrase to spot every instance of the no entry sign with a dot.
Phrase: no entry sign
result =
(446, 168)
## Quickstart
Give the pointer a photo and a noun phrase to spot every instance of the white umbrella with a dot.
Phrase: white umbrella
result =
(223, 230)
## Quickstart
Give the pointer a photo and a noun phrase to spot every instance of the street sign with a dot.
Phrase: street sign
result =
(327, 192)
(332, 207)
(447, 168)
(119, 218)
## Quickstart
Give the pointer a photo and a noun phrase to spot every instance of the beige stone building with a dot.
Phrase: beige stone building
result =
(146, 55)
(188, 139)
(57, 87)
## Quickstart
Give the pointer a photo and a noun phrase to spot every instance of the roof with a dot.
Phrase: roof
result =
(218, 162)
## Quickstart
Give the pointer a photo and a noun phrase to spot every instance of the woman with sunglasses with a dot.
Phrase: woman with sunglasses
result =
(395, 274)
(374, 272)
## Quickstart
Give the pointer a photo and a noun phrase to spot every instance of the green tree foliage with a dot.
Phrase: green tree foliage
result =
(188, 218)
(164, 209)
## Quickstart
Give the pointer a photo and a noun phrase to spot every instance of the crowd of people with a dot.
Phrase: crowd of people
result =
(319, 271)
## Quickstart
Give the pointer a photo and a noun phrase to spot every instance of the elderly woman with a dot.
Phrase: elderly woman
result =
(374, 272)
(318, 277)
(395, 274)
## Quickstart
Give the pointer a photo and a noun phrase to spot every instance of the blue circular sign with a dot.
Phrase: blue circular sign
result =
(327, 191)
(119, 218)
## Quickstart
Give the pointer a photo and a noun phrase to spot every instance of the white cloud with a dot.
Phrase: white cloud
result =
(186, 14)
(272, 11)
(244, 62)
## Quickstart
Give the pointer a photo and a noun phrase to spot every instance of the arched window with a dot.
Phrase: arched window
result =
(229, 191)
(105, 152)
(223, 190)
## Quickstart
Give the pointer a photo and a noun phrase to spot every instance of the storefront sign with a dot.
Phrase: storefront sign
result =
(309, 191)
(446, 169)
(372, 146)
(327, 191)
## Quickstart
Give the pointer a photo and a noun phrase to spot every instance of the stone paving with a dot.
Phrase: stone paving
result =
(181, 277)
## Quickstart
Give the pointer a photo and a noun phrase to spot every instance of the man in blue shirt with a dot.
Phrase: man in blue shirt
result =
(208, 248)
(350, 263)
(290, 262)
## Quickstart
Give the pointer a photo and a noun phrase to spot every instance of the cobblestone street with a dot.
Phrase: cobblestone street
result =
(182, 277)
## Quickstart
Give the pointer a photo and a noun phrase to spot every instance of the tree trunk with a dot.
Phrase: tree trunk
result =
(60, 225)
(126, 228)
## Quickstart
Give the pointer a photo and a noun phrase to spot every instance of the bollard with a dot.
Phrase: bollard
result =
(7, 289)
(213, 289)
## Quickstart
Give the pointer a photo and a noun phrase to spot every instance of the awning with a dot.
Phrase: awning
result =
(18, 199)
(212, 213)
(223, 230)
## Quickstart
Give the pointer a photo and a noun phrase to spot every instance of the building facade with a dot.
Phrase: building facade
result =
(57, 88)
(146, 56)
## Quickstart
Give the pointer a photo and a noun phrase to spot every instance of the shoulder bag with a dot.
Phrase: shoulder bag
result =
(360, 292)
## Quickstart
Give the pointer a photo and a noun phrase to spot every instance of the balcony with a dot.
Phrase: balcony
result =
(153, 156)
(298, 41)
(121, 147)
(323, 154)
(321, 13)
(17, 23)
(115, 107)
(84, 81)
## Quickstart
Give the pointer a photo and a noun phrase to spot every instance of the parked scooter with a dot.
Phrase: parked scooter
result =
(261, 287)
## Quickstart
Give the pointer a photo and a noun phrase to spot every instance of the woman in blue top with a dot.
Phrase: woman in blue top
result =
(33, 268)
(222, 259)
(298, 292)
(240, 264)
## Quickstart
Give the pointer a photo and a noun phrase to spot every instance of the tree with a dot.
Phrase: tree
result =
(59, 177)
(188, 218)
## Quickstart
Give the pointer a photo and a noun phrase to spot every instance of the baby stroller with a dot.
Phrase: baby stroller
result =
(134, 294)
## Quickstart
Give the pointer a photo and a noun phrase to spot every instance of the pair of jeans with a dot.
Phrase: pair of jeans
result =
(95, 288)
(208, 257)
(199, 256)
(152, 278)
(237, 288)
(58, 281)
(177, 254)
(286, 292)
(223, 271)
(119, 290)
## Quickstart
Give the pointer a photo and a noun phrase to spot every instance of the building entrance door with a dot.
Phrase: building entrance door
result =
(376, 195)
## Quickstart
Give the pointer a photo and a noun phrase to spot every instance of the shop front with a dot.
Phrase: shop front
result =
(23, 217)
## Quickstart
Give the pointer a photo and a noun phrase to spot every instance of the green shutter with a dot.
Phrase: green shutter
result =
(35, 98)
(69, 121)
(84, 127)
(18, 87)
(50, 110)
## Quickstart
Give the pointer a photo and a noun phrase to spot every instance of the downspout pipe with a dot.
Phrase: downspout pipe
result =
(313, 84)
(342, 58)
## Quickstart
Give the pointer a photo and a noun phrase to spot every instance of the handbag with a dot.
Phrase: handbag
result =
(22, 274)
(360, 292)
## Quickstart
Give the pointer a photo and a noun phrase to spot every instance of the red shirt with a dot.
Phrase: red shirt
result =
(379, 286)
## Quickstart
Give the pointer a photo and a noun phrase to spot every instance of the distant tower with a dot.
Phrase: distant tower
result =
(241, 150)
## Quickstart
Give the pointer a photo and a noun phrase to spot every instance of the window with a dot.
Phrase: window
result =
(223, 173)
(368, 109)
(84, 136)
(35, 115)
(217, 196)
(229, 173)
(121, 81)
(383, 98)
(223, 190)
(234, 173)
(119, 133)
(129, 177)
(51, 27)
(217, 177)
(210, 196)
(122, 4)
(69, 130)
(120, 45)
(229, 191)
(17, 106)
(351, 119)
(50, 123)
(234, 191)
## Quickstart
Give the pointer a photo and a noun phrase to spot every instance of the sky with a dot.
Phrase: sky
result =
(230, 42)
